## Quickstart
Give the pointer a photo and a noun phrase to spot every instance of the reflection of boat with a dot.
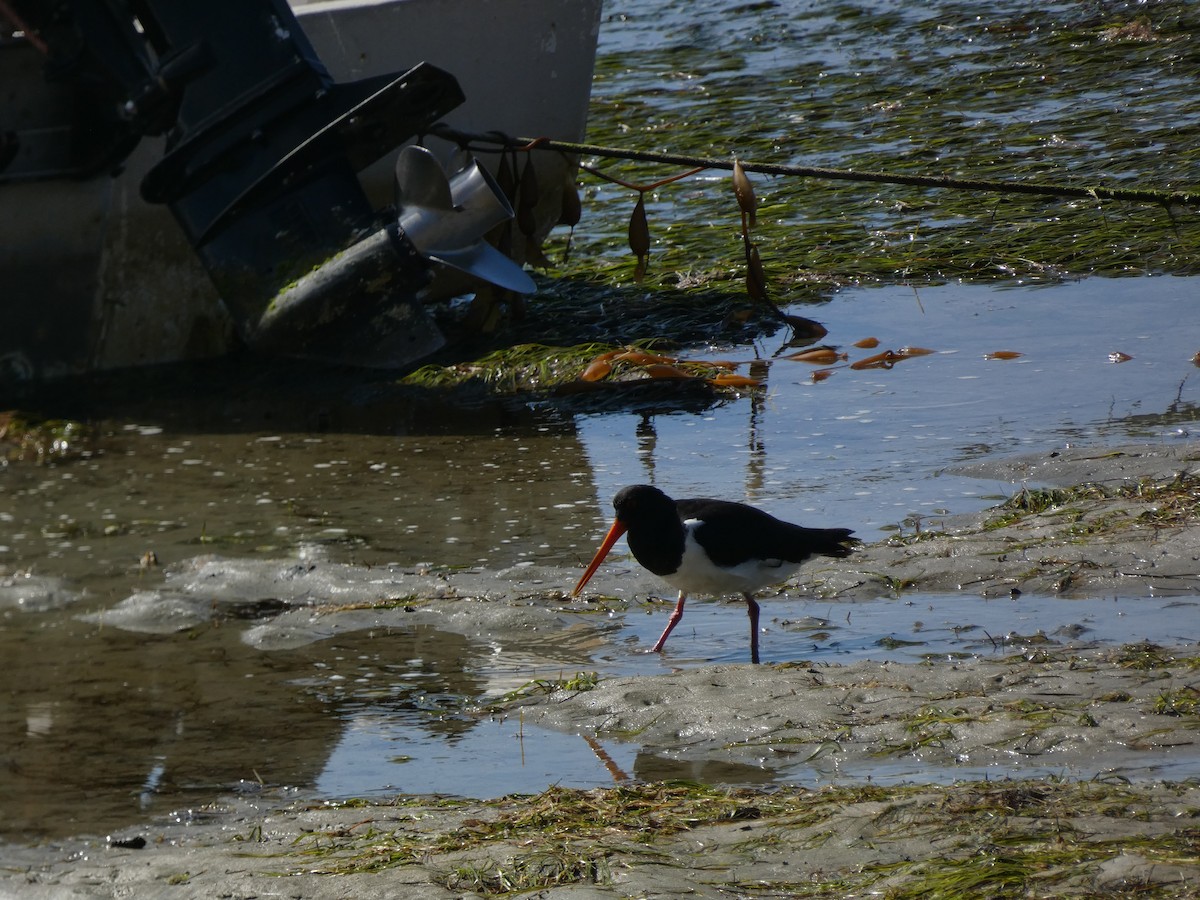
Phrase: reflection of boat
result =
(95, 277)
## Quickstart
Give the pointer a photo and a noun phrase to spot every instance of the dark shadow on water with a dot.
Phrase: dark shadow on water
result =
(243, 393)
(247, 392)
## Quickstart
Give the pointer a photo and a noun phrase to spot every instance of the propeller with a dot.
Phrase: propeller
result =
(446, 218)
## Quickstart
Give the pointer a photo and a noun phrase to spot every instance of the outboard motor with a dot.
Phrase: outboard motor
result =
(261, 163)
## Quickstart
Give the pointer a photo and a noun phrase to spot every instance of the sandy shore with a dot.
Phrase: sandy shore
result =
(1092, 754)
(1024, 838)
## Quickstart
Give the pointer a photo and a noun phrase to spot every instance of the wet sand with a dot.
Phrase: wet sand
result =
(971, 840)
(1090, 754)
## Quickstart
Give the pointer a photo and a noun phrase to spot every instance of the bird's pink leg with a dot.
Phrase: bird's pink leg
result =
(671, 622)
(752, 610)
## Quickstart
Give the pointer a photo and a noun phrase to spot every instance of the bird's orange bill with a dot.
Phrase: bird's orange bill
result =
(614, 535)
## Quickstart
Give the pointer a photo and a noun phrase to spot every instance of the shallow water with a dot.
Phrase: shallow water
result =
(874, 448)
(379, 752)
(104, 726)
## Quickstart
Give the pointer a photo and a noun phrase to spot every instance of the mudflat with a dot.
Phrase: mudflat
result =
(1090, 752)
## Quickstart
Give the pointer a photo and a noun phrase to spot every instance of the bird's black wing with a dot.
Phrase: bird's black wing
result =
(734, 532)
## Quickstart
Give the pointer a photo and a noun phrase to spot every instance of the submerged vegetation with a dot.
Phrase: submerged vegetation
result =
(522, 367)
(1020, 91)
(1079, 95)
(538, 687)
(32, 439)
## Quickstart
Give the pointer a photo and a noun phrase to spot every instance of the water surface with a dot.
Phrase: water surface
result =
(103, 726)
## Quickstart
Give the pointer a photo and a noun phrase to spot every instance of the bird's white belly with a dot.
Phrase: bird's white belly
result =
(698, 575)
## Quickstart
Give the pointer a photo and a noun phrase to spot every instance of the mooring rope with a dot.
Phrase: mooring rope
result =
(1096, 192)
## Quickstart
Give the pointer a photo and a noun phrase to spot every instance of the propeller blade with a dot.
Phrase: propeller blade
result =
(420, 180)
(484, 261)
(446, 219)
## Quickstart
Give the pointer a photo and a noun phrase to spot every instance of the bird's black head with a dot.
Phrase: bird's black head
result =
(640, 502)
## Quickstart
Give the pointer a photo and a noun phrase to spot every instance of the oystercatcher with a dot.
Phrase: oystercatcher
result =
(712, 547)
